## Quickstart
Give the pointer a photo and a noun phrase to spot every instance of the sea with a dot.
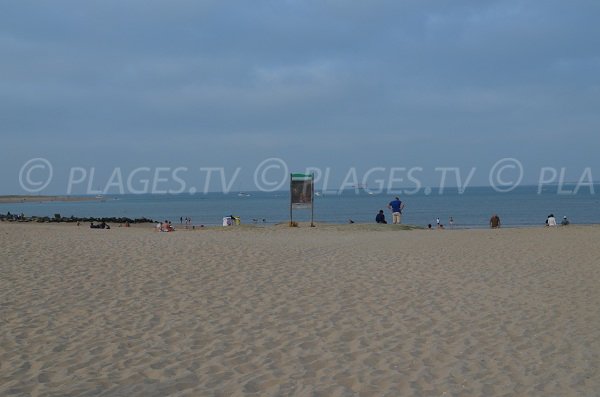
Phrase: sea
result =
(469, 208)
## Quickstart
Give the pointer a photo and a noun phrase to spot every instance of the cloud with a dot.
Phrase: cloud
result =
(265, 76)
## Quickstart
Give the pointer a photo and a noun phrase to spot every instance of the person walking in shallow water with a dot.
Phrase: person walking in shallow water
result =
(396, 206)
(495, 221)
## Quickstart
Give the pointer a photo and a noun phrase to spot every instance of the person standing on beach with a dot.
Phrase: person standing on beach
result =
(396, 206)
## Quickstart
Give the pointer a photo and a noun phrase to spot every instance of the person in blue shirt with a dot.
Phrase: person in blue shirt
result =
(396, 206)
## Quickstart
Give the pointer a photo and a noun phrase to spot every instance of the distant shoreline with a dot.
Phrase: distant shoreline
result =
(43, 199)
(356, 227)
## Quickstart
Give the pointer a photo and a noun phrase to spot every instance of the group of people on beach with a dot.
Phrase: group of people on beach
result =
(187, 219)
(165, 226)
(551, 221)
(440, 225)
(397, 206)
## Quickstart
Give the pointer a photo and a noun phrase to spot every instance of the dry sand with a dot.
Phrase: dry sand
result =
(329, 311)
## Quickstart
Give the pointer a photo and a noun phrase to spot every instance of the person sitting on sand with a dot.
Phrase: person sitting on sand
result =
(495, 221)
(380, 218)
(565, 221)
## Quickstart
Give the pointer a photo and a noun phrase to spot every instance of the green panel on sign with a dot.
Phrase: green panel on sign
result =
(302, 177)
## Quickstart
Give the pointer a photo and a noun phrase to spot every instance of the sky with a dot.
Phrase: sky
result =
(341, 86)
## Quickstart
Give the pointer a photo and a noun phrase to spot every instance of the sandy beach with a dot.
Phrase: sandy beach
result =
(351, 310)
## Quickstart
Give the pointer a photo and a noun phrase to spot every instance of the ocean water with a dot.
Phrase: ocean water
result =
(469, 209)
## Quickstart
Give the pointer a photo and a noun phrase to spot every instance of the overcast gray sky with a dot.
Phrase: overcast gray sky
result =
(336, 84)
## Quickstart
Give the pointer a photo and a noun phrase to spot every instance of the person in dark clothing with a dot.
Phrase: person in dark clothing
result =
(380, 218)
(495, 221)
